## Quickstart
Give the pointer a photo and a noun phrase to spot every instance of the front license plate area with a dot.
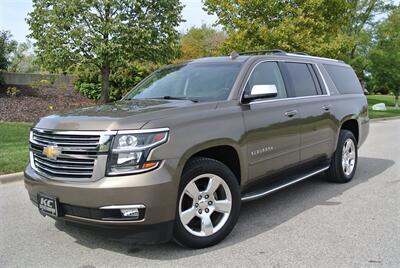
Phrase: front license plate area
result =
(47, 205)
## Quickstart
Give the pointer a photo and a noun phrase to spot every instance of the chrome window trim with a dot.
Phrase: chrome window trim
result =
(283, 99)
(288, 99)
(323, 80)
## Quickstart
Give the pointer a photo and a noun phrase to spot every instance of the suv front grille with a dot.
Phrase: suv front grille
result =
(78, 152)
(64, 167)
(78, 142)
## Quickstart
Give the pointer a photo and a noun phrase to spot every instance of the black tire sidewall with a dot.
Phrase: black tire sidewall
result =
(344, 136)
(194, 168)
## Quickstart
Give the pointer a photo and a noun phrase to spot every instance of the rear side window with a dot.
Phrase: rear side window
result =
(302, 79)
(344, 78)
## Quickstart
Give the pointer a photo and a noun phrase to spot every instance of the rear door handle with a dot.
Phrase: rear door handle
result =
(291, 113)
(327, 107)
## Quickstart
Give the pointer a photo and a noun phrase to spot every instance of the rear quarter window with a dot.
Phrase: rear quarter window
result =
(344, 78)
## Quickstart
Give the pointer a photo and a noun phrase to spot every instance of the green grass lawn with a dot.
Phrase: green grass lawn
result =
(13, 146)
(388, 101)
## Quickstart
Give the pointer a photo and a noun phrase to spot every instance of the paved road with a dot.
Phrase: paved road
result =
(312, 224)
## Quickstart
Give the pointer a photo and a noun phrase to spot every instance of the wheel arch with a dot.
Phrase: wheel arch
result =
(353, 126)
(349, 123)
(226, 151)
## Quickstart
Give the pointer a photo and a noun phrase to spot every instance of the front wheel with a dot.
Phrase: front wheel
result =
(344, 161)
(208, 203)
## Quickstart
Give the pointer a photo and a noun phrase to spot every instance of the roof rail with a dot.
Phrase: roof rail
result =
(313, 57)
(235, 54)
(301, 53)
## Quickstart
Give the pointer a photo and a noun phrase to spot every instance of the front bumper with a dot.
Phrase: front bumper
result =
(82, 202)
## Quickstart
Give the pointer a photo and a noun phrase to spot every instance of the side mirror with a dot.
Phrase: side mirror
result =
(262, 91)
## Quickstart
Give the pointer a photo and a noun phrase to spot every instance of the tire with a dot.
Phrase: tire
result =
(338, 171)
(194, 215)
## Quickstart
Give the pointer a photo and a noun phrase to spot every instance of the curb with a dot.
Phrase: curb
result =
(11, 177)
(385, 118)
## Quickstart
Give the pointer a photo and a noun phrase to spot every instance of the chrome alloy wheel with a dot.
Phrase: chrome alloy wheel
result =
(205, 205)
(348, 157)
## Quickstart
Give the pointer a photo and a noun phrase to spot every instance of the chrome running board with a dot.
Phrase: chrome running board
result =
(278, 185)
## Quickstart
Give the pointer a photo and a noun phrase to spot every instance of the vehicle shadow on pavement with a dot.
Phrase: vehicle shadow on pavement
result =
(256, 217)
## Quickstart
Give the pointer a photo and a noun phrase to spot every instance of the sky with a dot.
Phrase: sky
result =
(14, 12)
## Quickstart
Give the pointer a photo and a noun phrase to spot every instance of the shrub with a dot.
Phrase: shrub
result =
(122, 80)
(12, 91)
(40, 83)
(90, 90)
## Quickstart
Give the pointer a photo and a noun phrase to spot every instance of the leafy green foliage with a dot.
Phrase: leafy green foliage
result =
(201, 42)
(339, 28)
(385, 55)
(7, 46)
(312, 26)
(104, 33)
(40, 83)
(122, 80)
(12, 91)
(360, 28)
(89, 90)
(23, 60)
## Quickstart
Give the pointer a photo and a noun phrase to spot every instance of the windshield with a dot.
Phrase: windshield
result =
(196, 82)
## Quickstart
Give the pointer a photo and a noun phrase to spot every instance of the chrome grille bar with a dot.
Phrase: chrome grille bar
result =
(66, 161)
(79, 153)
(68, 167)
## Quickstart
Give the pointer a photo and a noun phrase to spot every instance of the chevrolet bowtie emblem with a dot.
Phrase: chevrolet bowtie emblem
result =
(51, 152)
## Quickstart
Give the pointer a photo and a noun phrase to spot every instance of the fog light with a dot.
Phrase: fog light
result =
(130, 213)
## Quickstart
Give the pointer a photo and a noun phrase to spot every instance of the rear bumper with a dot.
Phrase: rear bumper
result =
(84, 202)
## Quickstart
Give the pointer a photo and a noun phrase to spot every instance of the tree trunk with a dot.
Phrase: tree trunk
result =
(396, 102)
(105, 83)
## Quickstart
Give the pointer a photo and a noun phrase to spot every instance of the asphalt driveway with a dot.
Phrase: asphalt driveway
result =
(311, 224)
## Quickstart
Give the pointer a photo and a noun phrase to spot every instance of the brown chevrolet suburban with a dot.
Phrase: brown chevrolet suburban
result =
(177, 156)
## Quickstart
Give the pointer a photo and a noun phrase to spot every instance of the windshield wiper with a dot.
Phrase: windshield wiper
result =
(177, 98)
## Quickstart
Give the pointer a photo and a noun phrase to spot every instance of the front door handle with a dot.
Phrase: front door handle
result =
(291, 113)
(327, 107)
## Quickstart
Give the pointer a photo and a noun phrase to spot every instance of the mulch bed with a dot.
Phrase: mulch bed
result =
(31, 104)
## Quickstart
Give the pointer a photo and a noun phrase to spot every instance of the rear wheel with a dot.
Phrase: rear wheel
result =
(208, 203)
(344, 161)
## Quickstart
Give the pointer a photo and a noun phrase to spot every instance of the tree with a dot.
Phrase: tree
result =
(337, 28)
(23, 60)
(313, 27)
(7, 46)
(385, 55)
(201, 42)
(363, 19)
(104, 33)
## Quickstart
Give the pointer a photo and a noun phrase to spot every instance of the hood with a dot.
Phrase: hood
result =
(132, 114)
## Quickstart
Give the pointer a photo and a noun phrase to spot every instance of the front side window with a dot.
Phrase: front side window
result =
(302, 79)
(267, 73)
(198, 82)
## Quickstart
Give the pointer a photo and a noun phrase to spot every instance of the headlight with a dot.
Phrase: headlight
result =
(131, 148)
